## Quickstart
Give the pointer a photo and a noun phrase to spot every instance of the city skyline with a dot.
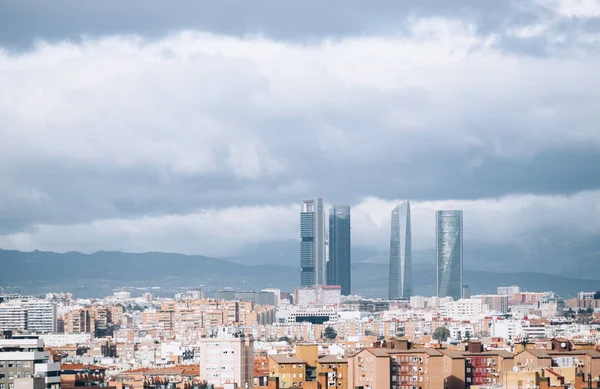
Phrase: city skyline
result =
(400, 272)
(340, 248)
(449, 253)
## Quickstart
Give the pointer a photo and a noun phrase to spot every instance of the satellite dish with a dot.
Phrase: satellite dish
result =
(515, 369)
(563, 345)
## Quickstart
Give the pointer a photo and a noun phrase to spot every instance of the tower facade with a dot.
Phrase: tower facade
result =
(339, 264)
(312, 244)
(449, 243)
(400, 272)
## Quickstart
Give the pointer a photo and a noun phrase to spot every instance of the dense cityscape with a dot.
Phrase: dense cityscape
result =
(299, 194)
(316, 336)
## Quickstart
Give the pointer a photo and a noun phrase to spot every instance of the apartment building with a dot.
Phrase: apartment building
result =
(34, 315)
(290, 369)
(23, 359)
(396, 364)
(227, 357)
(335, 370)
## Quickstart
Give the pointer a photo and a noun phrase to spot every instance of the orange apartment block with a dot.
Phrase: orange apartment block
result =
(396, 364)
(290, 370)
(335, 371)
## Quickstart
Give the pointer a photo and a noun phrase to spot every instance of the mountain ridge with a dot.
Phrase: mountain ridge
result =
(98, 274)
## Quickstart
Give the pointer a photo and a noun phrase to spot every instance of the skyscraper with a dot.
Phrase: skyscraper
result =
(312, 245)
(400, 285)
(449, 239)
(338, 266)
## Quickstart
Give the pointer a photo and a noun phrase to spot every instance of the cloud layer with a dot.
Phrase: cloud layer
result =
(202, 139)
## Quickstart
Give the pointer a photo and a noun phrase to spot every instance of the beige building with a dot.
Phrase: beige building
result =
(227, 358)
(290, 370)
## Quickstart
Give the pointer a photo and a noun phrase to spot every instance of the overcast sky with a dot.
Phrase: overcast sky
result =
(198, 127)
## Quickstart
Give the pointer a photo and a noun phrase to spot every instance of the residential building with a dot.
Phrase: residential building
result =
(495, 302)
(23, 356)
(462, 309)
(320, 295)
(449, 242)
(508, 290)
(34, 315)
(290, 370)
(227, 357)
(339, 263)
(312, 246)
(335, 370)
(400, 271)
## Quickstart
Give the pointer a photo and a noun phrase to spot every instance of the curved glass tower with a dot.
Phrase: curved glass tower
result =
(449, 239)
(400, 282)
(338, 266)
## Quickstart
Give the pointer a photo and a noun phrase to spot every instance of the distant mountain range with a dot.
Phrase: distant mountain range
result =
(546, 253)
(98, 274)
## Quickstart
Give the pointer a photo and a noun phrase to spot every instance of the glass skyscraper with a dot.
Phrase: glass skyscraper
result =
(449, 239)
(338, 266)
(400, 272)
(312, 245)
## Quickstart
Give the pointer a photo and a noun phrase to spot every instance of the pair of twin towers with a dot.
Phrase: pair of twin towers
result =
(325, 258)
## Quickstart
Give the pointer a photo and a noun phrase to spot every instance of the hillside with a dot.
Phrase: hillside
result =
(97, 274)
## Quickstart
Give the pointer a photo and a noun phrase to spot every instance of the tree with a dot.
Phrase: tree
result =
(284, 339)
(441, 334)
(468, 335)
(590, 310)
(330, 333)
(369, 333)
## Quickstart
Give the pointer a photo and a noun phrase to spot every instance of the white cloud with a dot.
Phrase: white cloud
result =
(573, 8)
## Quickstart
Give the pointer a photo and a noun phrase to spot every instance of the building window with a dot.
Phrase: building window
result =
(1, 385)
(19, 363)
(11, 386)
(11, 363)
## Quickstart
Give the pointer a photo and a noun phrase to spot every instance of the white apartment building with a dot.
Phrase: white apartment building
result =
(422, 302)
(227, 358)
(512, 329)
(320, 295)
(508, 290)
(462, 309)
(24, 357)
(41, 316)
(65, 339)
(38, 316)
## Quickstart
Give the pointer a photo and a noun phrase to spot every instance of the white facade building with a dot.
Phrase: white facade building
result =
(38, 316)
(227, 358)
(462, 309)
(508, 290)
(320, 295)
